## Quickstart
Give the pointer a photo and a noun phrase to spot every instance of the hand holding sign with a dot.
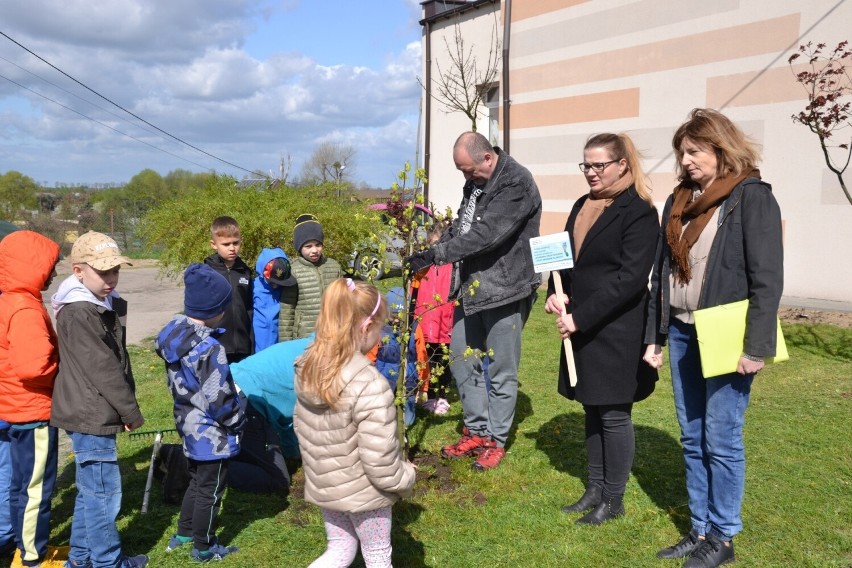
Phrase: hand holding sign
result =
(553, 252)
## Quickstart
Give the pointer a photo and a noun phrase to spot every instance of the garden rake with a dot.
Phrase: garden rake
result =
(158, 441)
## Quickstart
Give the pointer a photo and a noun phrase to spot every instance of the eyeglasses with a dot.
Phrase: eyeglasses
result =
(597, 166)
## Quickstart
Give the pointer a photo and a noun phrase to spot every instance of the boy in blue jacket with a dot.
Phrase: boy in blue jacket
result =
(209, 414)
(273, 273)
(389, 354)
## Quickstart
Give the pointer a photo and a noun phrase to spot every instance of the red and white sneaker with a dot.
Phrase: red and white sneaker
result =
(468, 446)
(490, 458)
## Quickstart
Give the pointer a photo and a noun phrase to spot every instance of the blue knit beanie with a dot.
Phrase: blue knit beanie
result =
(206, 292)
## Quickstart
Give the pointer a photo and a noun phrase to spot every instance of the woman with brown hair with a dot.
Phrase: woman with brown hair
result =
(721, 243)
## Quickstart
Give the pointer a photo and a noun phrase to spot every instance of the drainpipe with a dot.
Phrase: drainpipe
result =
(507, 32)
(427, 112)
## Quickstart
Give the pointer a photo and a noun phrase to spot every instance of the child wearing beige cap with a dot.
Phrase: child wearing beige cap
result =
(94, 396)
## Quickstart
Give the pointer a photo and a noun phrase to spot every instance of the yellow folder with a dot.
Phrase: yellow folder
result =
(721, 332)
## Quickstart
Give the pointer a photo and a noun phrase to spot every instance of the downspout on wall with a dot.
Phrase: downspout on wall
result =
(427, 111)
(507, 101)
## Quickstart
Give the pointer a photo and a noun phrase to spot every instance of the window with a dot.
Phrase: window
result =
(492, 103)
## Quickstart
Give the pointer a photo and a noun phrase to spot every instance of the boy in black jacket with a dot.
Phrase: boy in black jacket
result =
(238, 339)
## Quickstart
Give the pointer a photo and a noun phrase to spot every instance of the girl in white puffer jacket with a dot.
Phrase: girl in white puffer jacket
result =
(346, 423)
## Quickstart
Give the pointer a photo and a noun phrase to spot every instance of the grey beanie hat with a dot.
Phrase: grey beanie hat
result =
(307, 228)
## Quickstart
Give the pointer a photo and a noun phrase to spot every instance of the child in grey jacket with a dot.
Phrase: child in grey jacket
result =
(94, 396)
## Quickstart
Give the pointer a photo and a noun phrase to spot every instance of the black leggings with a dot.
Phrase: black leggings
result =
(436, 353)
(610, 443)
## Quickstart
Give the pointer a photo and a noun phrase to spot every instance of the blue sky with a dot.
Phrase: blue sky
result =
(337, 32)
(249, 81)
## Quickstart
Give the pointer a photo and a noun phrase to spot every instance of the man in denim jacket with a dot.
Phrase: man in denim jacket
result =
(495, 284)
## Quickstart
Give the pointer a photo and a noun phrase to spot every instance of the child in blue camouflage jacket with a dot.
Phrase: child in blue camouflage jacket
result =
(209, 414)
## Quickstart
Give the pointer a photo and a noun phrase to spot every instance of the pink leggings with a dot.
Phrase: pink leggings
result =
(344, 530)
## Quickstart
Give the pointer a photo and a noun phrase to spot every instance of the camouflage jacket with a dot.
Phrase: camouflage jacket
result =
(209, 414)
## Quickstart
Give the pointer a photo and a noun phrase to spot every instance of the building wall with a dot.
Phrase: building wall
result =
(477, 27)
(580, 67)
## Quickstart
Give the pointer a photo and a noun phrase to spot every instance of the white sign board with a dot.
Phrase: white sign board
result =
(551, 252)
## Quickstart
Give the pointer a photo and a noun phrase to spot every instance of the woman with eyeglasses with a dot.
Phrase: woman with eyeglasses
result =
(613, 233)
(720, 243)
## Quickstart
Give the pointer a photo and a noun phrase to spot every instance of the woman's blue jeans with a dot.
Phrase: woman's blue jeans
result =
(711, 413)
(94, 535)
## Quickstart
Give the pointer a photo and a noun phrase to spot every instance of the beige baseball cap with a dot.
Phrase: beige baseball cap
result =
(98, 251)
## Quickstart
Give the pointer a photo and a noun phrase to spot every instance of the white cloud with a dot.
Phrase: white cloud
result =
(183, 67)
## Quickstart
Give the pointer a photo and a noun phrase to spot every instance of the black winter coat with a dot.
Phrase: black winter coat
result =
(746, 261)
(608, 292)
(238, 338)
(495, 252)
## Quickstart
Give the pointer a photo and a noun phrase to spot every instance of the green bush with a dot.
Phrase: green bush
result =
(180, 227)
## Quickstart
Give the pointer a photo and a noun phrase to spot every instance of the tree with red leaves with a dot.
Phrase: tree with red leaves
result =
(828, 84)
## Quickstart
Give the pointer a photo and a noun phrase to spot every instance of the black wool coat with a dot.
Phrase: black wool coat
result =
(608, 292)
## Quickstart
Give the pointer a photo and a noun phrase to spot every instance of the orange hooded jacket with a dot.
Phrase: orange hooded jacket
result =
(28, 344)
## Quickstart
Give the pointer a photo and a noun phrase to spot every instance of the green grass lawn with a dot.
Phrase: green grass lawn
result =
(797, 511)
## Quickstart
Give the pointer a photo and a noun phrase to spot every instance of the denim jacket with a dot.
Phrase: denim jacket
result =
(746, 261)
(495, 252)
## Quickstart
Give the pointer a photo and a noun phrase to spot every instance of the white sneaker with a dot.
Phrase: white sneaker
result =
(442, 406)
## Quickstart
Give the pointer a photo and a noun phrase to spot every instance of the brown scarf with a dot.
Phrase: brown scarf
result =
(698, 213)
(594, 207)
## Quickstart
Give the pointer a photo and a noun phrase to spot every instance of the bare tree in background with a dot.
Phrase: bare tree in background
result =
(463, 83)
(285, 168)
(330, 161)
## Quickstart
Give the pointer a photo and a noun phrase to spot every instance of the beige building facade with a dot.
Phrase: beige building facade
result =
(580, 67)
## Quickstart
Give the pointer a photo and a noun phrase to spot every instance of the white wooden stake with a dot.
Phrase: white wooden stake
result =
(569, 350)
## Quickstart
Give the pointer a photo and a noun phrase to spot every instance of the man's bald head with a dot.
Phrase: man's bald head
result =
(474, 157)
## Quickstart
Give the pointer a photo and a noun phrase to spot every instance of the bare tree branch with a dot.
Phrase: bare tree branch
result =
(463, 83)
(328, 161)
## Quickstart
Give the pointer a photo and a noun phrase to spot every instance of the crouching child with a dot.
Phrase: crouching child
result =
(209, 415)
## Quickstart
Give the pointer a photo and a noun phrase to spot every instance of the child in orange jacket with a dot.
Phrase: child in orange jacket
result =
(28, 363)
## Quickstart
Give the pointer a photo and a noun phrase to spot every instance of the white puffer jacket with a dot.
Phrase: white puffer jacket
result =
(351, 454)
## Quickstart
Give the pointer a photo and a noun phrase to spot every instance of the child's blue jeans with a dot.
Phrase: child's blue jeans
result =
(94, 535)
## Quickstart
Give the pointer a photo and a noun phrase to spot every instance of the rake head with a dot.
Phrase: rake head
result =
(152, 433)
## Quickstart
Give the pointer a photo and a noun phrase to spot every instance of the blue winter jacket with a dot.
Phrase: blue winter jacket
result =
(389, 355)
(266, 302)
(266, 379)
(208, 413)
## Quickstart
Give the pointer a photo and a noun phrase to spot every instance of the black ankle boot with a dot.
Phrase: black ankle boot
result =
(610, 507)
(589, 500)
